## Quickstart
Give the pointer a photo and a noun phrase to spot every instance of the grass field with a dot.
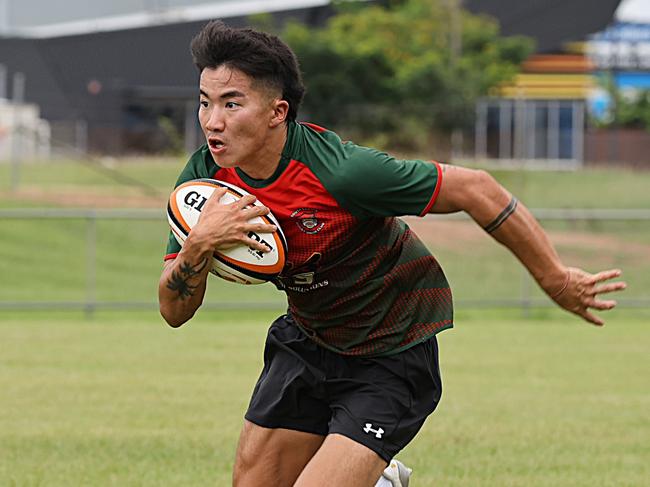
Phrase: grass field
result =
(46, 182)
(129, 253)
(123, 400)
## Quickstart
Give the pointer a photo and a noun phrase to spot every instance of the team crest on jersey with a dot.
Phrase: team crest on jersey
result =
(307, 220)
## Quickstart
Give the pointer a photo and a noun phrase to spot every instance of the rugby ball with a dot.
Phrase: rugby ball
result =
(240, 264)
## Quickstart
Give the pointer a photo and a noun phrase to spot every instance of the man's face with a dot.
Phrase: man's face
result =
(236, 116)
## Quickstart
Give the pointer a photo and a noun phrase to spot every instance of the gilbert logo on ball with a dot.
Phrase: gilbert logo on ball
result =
(241, 264)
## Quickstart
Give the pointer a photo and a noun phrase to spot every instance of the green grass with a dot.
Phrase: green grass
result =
(48, 261)
(104, 173)
(123, 400)
(588, 188)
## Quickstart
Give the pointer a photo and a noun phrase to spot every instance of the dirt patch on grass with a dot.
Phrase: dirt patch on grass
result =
(72, 198)
(464, 235)
(459, 235)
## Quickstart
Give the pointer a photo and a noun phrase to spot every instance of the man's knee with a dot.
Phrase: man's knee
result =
(272, 455)
(252, 449)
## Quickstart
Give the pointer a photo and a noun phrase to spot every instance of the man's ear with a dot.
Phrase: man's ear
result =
(280, 112)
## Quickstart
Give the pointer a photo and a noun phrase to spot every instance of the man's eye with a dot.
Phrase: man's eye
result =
(203, 103)
(231, 104)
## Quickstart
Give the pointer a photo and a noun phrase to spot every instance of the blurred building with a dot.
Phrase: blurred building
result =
(621, 57)
(117, 76)
(543, 113)
(125, 83)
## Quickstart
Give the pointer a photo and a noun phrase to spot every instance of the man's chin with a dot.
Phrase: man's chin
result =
(223, 161)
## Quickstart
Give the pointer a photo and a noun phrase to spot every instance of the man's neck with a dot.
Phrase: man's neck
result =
(270, 159)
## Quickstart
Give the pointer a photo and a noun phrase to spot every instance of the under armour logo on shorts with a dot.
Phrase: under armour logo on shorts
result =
(378, 432)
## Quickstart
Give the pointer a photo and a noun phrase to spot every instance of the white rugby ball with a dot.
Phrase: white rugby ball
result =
(241, 264)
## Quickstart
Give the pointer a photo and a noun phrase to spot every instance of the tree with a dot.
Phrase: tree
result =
(388, 70)
(634, 111)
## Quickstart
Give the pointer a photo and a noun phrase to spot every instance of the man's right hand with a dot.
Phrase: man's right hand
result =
(223, 226)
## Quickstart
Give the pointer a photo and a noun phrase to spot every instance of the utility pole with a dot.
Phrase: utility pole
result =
(3, 82)
(456, 49)
(18, 95)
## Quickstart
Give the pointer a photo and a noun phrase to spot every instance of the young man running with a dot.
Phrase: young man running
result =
(351, 371)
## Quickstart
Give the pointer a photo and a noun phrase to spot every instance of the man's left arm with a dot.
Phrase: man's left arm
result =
(510, 223)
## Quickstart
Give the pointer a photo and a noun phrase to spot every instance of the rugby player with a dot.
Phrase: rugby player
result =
(351, 370)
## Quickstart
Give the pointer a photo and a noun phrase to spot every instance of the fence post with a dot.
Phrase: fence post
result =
(17, 135)
(91, 264)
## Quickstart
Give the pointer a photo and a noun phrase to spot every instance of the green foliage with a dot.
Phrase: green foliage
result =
(383, 68)
(174, 138)
(634, 112)
(262, 21)
(625, 110)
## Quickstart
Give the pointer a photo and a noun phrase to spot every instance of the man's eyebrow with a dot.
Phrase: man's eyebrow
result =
(227, 94)
(232, 94)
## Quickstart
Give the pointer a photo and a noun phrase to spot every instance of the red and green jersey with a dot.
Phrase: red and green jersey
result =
(357, 279)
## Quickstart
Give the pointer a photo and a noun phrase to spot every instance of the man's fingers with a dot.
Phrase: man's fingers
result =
(604, 276)
(255, 210)
(247, 200)
(601, 305)
(263, 228)
(610, 288)
(254, 244)
(592, 318)
(215, 197)
(217, 194)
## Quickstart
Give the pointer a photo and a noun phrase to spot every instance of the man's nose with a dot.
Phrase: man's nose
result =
(215, 121)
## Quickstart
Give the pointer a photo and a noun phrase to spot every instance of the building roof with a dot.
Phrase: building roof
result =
(174, 15)
(551, 24)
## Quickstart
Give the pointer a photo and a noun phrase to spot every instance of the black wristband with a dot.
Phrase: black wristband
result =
(503, 216)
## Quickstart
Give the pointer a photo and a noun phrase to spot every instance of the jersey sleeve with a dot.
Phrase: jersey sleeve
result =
(173, 247)
(373, 183)
(200, 165)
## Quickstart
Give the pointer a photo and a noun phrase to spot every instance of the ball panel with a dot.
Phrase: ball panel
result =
(240, 264)
(179, 232)
(232, 275)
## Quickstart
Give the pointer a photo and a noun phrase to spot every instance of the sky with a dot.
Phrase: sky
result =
(24, 13)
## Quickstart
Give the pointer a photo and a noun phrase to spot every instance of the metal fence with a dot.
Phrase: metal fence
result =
(525, 298)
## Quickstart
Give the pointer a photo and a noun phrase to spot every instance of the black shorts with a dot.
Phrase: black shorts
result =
(379, 402)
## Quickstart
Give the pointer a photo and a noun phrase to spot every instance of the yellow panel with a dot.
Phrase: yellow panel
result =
(549, 86)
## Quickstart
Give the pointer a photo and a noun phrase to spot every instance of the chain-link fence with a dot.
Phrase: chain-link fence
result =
(111, 259)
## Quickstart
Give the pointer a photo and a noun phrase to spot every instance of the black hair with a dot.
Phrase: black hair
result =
(263, 57)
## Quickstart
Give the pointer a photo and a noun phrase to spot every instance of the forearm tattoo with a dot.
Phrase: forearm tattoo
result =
(179, 281)
(503, 216)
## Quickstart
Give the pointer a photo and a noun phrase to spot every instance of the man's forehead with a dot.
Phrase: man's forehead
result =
(224, 77)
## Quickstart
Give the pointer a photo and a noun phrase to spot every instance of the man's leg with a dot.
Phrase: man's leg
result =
(273, 456)
(342, 462)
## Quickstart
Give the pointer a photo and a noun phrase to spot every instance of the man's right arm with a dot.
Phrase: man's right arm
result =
(182, 284)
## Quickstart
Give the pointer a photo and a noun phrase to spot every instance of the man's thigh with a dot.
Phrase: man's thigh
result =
(272, 456)
(342, 462)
